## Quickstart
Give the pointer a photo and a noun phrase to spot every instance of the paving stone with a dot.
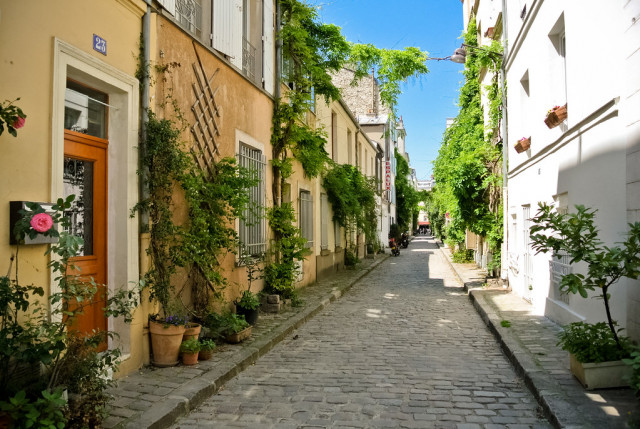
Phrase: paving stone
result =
(404, 347)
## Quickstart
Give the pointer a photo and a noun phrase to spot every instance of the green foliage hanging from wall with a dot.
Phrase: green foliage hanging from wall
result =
(468, 167)
(353, 199)
(406, 196)
(312, 52)
(213, 202)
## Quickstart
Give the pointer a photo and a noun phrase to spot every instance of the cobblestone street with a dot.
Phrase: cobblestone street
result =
(403, 348)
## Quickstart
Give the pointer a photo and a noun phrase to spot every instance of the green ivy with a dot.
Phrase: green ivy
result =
(214, 200)
(353, 199)
(312, 52)
(468, 167)
(406, 196)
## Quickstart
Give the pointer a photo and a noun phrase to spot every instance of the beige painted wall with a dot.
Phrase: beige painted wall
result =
(40, 47)
(245, 114)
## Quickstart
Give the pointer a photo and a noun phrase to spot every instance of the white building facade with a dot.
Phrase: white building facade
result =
(585, 55)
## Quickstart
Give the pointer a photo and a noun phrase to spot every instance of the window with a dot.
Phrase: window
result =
(306, 217)
(85, 110)
(324, 222)
(349, 147)
(557, 67)
(252, 229)
(189, 15)
(338, 236)
(334, 136)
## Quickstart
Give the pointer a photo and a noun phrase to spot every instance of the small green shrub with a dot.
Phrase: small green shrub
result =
(505, 324)
(634, 363)
(248, 301)
(192, 345)
(207, 345)
(43, 412)
(221, 325)
(350, 258)
(462, 256)
(593, 343)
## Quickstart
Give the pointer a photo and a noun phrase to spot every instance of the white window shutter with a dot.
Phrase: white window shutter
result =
(169, 6)
(227, 29)
(268, 55)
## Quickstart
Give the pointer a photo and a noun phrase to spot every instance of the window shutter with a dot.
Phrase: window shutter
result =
(268, 46)
(169, 6)
(227, 29)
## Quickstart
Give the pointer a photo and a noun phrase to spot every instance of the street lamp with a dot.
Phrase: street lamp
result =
(460, 55)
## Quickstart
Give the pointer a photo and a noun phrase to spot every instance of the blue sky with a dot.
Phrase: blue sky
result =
(434, 26)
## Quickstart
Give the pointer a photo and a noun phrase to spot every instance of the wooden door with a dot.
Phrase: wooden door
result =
(85, 176)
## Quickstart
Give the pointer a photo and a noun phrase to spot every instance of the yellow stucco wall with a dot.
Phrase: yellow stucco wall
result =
(244, 110)
(28, 31)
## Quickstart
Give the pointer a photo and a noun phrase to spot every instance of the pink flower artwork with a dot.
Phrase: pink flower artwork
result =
(41, 222)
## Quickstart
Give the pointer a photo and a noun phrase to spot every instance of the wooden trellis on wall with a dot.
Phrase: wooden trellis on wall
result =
(206, 129)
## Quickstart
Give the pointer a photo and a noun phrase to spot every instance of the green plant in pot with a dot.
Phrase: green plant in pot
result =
(207, 346)
(248, 306)
(576, 235)
(249, 303)
(190, 349)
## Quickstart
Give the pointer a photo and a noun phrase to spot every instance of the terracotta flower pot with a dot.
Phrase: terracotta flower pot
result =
(190, 358)
(205, 354)
(192, 331)
(165, 343)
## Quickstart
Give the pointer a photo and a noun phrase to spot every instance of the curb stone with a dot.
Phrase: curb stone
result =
(190, 394)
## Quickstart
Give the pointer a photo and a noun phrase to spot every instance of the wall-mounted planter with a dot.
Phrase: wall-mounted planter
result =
(14, 217)
(556, 116)
(523, 144)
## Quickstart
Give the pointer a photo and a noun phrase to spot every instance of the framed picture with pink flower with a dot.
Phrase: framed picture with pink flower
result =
(34, 222)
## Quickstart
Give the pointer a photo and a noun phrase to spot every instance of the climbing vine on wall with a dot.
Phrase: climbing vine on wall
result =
(468, 167)
(312, 52)
(353, 199)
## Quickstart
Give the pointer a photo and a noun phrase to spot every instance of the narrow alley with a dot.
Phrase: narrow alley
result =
(403, 348)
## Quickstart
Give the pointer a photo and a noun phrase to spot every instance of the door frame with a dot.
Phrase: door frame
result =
(70, 62)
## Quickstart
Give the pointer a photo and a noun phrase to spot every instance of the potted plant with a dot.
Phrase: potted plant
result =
(228, 326)
(207, 346)
(523, 144)
(191, 330)
(166, 337)
(247, 306)
(190, 349)
(555, 116)
(249, 303)
(236, 329)
(576, 235)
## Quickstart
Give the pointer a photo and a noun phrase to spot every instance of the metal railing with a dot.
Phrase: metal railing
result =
(252, 229)
(248, 59)
(189, 15)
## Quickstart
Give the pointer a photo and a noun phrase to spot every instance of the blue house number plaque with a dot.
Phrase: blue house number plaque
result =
(99, 44)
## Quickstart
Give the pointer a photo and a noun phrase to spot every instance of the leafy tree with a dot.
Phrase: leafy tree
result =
(312, 53)
(406, 196)
(577, 236)
(468, 167)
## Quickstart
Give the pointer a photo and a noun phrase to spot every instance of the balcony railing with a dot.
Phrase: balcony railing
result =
(189, 15)
(248, 59)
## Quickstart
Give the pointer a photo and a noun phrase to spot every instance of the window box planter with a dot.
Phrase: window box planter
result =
(523, 144)
(601, 375)
(556, 116)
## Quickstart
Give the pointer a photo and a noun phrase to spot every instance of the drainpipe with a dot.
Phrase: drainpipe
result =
(278, 52)
(146, 36)
(504, 270)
